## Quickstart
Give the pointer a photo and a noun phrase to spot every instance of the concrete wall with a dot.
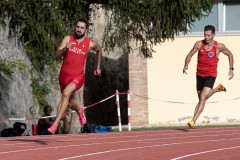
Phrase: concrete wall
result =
(172, 94)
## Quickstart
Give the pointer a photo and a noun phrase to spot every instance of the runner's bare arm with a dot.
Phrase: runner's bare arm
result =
(62, 48)
(222, 48)
(96, 47)
(190, 54)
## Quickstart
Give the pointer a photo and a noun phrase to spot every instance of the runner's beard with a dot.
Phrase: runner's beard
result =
(79, 36)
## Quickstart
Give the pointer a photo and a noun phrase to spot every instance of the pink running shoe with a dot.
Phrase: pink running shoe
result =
(53, 128)
(82, 117)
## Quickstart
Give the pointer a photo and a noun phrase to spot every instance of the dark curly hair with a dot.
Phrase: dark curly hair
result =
(209, 28)
(82, 20)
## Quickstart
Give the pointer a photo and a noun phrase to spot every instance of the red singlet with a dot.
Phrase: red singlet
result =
(74, 59)
(207, 61)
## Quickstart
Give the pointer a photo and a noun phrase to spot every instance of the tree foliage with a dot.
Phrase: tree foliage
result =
(40, 90)
(7, 68)
(150, 22)
(41, 24)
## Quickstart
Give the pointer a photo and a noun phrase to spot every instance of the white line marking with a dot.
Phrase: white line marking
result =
(142, 140)
(134, 148)
(194, 154)
(107, 135)
(46, 139)
(131, 134)
(100, 143)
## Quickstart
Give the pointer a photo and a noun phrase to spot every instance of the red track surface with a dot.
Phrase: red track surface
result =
(190, 144)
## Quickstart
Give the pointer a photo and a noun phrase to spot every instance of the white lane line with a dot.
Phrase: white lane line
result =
(102, 143)
(42, 137)
(46, 139)
(135, 133)
(209, 151)
(142, 140)
(141, 147)
(66, 146)
(13, 144)
(135, 136)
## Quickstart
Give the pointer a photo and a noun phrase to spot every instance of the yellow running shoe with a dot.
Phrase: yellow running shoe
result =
(191, 123)
(221, 88)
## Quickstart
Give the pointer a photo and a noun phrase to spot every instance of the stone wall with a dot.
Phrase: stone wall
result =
(17, 98)
(19, 102)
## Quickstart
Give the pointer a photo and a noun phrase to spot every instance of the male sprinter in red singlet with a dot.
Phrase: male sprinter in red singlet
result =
(74, 50)
(208, 53)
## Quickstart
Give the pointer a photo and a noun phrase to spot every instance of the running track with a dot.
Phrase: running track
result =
(180, 144)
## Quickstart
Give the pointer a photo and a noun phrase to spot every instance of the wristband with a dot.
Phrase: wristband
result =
(231, 68)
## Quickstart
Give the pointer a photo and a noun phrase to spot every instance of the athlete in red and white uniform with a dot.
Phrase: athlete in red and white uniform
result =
(207, 61)
(74, 58)
(208, 53)
(74, 50)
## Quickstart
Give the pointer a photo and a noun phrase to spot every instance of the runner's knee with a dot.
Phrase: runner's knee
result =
(202, 98)
(66, 94)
